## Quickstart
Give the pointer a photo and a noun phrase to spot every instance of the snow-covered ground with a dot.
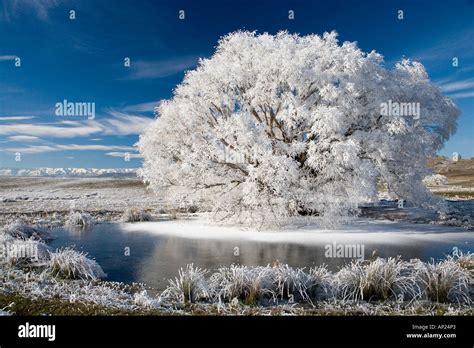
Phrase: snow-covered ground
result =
(48, 200)
(359, 231)
(40, 199)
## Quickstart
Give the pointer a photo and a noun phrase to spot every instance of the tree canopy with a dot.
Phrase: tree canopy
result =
(272, 126)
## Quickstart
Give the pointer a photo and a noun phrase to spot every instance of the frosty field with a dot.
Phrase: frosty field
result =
(145, 255)
(48, 199)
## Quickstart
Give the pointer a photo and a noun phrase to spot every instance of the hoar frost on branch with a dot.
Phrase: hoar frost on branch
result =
(272, 126)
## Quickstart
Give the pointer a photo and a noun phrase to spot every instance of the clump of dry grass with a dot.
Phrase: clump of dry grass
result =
(136, 215)
(446, 281)
(79, 219)
(190, 286)
(248, 284)
(293, 283)
(379, 279)
(19, 230)
(68, 263)
(278, 282)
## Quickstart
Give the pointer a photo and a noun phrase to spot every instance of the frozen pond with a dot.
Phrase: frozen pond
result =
(153, 252)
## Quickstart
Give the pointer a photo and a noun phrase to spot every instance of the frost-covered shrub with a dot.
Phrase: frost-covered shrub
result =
(321, 283)
(273, 126)
(193, 209)
(380, 279)
(435, 180)
(277, 282)
(293, 284)
(68, 263)
(143, 300)
(465, 260)
(136, 215)
(445, 281)
(190, 286)
(79, 219)
(249, 284)
(25, 231)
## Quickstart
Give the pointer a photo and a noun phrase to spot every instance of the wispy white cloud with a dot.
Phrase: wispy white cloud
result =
(40, 8)
(77, 147)
(123, 154)
(462, 95)
(114, 123)
(456, 45)
(7, 57)
(457, 85)
(30, 149)
(158, 69)
(87, 43)
(67, 147)
(48, 130)
(24, 138)
(16, 118)
(124, 124)
(142, 107)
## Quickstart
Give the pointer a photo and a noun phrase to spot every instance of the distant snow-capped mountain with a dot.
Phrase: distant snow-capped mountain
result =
(79, 172)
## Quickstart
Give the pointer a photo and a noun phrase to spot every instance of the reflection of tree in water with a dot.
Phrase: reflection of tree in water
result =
(171, 253)
(78, 230)
(415, 250)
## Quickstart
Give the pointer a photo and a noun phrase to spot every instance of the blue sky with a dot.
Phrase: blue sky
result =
(82, 60)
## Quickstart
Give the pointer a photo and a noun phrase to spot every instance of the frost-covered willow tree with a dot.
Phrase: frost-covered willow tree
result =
(272, 126)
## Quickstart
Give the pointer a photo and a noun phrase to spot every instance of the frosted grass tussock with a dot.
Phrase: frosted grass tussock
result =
(380, 279)
(136, 215)
(276, 282)
(143, 300)
(21, 230)
(293, 284)
(391, 280)
(68, 263)
(321, 283)
(466, 261)
(446, 281)
(249, 284)
(79, 219)
(190, 286)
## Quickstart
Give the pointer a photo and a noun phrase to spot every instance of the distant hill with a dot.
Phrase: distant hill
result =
(440, 165)
(448, 167)
(69, 172)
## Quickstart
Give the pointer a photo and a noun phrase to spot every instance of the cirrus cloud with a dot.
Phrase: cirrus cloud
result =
(68, 147)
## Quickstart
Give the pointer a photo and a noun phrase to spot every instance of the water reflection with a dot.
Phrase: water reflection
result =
(154, 258)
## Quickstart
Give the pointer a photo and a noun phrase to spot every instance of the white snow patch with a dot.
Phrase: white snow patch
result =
(360, 231)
